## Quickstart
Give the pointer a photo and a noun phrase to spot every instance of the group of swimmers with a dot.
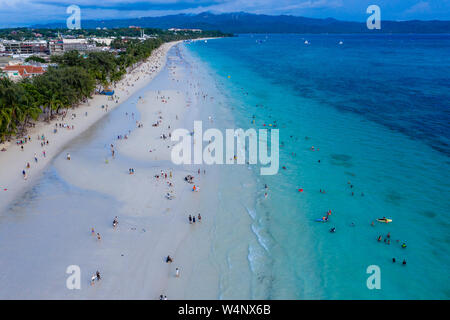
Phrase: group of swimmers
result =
(387, 240)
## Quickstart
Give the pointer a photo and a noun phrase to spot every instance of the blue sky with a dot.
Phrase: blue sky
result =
(27, 12)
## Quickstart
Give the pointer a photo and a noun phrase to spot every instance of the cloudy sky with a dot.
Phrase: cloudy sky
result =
(27, 12)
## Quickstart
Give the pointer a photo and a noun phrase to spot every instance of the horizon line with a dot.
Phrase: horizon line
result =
(35, 25)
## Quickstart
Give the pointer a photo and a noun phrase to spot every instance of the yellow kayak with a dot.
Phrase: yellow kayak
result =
(385, 220)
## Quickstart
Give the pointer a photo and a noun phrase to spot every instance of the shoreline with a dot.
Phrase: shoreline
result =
(12, 183)
(67, 204)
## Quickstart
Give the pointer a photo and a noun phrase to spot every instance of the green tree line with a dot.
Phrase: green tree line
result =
(73, 79)
(20, 34)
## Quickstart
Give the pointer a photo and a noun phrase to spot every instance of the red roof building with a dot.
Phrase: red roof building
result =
(24, 71)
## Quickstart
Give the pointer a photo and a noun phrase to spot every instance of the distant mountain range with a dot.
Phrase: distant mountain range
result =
(256, 23)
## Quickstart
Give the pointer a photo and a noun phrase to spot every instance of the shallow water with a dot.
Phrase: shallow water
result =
(376, 111)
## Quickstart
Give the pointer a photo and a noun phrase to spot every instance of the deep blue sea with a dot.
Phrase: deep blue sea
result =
(376, 109)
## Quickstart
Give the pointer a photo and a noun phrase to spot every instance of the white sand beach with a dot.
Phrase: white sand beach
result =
(49, 217)
(14, 160)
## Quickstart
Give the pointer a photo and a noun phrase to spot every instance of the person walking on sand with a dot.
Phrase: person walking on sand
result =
(93, 279)
(190, 219)
(199, 218)
(177, 272)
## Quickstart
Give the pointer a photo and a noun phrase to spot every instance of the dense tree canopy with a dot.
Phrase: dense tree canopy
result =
(74, 78)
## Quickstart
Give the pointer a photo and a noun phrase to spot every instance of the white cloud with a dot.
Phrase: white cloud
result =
(28, 12)
(418, 7)
(312, 4)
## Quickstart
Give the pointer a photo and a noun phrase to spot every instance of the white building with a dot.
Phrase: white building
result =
(106, 41)
(177, 30)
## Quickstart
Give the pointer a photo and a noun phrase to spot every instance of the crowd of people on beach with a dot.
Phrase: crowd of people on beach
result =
(166, 176)
(64, 121)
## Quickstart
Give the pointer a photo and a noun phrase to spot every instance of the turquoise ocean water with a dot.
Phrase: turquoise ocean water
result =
(377, 111)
